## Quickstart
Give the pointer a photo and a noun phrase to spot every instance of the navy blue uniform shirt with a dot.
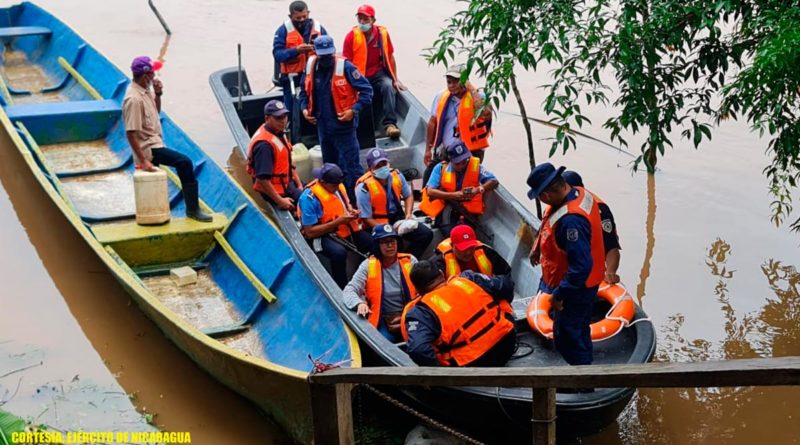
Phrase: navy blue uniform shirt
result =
(324, 109)
(279, 50)
(423, 326)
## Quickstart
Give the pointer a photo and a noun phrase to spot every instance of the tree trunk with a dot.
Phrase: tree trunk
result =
(528, 132)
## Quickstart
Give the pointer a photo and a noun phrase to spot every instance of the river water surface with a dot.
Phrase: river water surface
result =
(718, 280)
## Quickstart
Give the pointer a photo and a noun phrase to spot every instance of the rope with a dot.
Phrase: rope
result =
(422, 416)
(624, 323)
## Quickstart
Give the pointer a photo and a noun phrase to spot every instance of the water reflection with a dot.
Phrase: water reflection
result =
(651, 237)
(724, 415)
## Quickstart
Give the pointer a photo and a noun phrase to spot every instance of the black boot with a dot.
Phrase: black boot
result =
(192, 205)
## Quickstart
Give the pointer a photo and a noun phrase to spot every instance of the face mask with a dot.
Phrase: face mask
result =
(365, 27)
(383, 172)
(326, 61)
(299, 24)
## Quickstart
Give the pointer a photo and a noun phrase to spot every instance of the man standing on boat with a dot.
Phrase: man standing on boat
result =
(379, 194)
(291, 47)
(329, 222)
(462, 251)
(453, 120)
(370, 49)
(610, 236)
(459, 183)
(269, 160)
(381, 287)
(569, 247)
(140, 111)
(464, 321)
(335, 92)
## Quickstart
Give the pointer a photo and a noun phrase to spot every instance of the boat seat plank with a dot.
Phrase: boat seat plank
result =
(23, 31)
(129, 230)
(234, 257)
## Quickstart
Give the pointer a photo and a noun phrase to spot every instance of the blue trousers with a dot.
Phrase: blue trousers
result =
(571, 332)
(341, 148)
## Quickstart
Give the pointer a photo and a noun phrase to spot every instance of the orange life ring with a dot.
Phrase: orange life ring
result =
(620, 315)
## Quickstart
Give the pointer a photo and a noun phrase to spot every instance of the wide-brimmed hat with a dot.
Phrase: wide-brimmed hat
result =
(540, 177)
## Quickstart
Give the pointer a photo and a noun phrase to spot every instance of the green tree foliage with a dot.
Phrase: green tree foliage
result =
(678, 65)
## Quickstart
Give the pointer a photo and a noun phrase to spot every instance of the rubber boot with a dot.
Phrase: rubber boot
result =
(192, 204)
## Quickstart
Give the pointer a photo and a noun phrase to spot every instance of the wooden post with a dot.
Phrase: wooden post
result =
(544, 416)
(332, 412)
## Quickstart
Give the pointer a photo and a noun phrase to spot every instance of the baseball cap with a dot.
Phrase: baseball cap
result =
(458, 153)
(383, 231)
(455, 70)
(572, 178)
(275, 108)
(463, 237)
(540, 177)
(366, 10)
(323, 45)
(376, 156)
(143, 65)
(331, 173)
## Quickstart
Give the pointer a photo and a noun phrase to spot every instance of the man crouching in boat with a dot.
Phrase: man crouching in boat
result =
(464, 321)
(460, 183)
(381, 287)
(329, 222)
(569, 247)
(269, 160)
(462, 251)
(140, 110)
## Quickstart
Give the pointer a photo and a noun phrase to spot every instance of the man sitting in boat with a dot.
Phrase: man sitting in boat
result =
(453, 120)
(464, 321)
(462, 251)
(384, 196)
(370, 49)
(291, 47)
(460, 183)
(329, 222)
(140, 111)
(334, 93)
(269, 160)
(569, 247)
(610, 236)
(381, 287)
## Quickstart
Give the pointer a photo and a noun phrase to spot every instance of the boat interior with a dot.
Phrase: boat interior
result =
(64, 101)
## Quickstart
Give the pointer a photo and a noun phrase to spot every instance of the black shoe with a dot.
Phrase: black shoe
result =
(190, 197)
(199, 215)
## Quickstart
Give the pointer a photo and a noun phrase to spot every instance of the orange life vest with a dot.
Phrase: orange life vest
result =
(343, 94)
(360, 51)
(377, 194)
(552, 258)
(472, 321)
(472, 177)
(374, 287)
(281, 160)
(474, 134)
(295, 39)
(453, 268)
(334, 205)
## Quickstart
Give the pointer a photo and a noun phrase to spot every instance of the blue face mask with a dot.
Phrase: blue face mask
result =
(365, 27)
(382, 172)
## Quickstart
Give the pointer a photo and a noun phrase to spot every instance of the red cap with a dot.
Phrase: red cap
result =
(463, 237)
(366, 10)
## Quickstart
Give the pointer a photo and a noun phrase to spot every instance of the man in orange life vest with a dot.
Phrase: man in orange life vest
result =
(329, 222)
(370, 49)
(269, 160)
(453, 120)
(610, 236)
(464, 321)
(381, 287)
(291, 47)
(379, 194)
(569, 247)
(463, 180)
(462, 251)
(334, 94)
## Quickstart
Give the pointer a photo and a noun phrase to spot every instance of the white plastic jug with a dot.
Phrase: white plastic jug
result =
(152, 200)
(316, 156)
(302, 161)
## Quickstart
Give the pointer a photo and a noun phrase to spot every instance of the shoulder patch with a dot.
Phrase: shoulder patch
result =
(412, 325)
(356, 74)
(607, 226)
(572, 235)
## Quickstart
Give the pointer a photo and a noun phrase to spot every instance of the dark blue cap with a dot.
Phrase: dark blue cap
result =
(275, 108)
(572, 178)
(458, 152)
(540, 177)
(383, 231)
(375, 156)
(331, 173)
(323, 45)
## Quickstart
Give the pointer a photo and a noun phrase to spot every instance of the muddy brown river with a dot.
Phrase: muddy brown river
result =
(717, 278)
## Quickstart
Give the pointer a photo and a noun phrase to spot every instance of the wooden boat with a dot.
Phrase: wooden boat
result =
(252, 319)
(507, 226)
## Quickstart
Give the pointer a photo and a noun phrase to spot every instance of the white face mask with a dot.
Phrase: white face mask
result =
(382, 172)
(365, 27)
